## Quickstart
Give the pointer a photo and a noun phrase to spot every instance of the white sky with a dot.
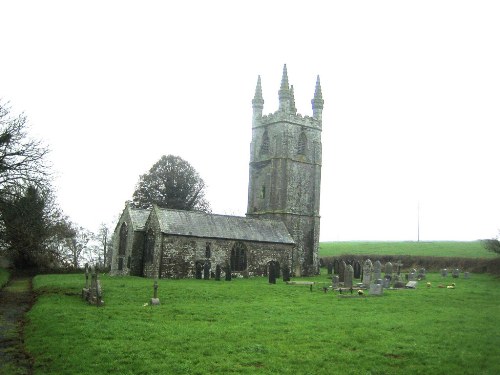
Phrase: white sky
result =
(411, 90)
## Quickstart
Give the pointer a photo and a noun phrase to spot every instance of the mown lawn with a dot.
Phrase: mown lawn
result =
(248, 326)
(471, 249)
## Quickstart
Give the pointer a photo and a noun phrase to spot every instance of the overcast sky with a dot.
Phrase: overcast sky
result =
(411, 115)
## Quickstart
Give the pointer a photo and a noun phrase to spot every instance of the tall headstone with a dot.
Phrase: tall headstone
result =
(329, 268)
(336, 266)
(367, 272)
(377, 270)
(342, 271)
(348, 276)
(455, 273)
(421, 274)
(228, 272)
(444, 272)
(357, 269)
(272, 274)
(388, 269)
(218, 272)
(286, 273)
(386, 282)
(412, 276)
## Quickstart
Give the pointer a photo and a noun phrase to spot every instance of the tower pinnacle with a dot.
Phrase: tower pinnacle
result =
(317, 102)
(258, 100)
(284, 92)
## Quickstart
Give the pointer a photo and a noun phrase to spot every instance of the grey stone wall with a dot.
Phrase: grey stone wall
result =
(180, 255)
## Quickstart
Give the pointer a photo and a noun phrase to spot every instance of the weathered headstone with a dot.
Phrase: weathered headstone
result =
(411, 284)
(398, 282)
(218, 272)
(348, 275)
(376, 289)
(367, 272)
(336, 266)
(421, 274)
(342, 266)
(399, 264)
(444, 272)
(455, 273)
(466, 275)
(377, 270)
(286, 273)
(357, 269)
(155, 300)
(329, 268)
(228, 272)
(94, 296)
(206, 271)
(272, 273)
(412, 276)
(388, 269)
(335, 282)
(387, 281)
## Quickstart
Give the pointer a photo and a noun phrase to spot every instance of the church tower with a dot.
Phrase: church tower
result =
(285, 171)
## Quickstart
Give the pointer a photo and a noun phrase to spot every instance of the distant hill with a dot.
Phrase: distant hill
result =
(470, 249)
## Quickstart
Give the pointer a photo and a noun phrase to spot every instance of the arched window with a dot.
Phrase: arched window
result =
(264, 147)
(150, 246)
(301, 147)
(239, 257)
(123, 239)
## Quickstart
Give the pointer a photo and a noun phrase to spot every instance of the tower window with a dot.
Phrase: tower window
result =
(263, 192)
(264, 147)
(301, 147)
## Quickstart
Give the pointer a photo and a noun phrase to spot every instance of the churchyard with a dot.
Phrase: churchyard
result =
(249, 326)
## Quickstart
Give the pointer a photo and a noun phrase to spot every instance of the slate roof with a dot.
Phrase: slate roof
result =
(138, 217)
(200, 224)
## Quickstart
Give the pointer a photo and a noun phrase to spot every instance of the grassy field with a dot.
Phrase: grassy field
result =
(472, 249)
(248, 326)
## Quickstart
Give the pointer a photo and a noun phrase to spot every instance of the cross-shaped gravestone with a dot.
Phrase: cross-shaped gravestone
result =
(155, 300)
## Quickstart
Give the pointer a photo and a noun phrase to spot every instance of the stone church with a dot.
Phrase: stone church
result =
(281, 227)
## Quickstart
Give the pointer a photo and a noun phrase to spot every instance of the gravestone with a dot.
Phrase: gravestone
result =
(388, 269)
(342, 266)
(367, 272)
(399, 265)
(329, 268)
(376, 289)
(228, 272)
(411, 285)
(85, 290)
(421, 274)
(155, 300)
(377, 270)
(94, 295)
(272, 273)
(206, 271)
(335, 282)
(444, 272)
(466, 275)
(336, 266)
(218, 272)
(455, 273)
(387, 281)
(398, 282)
(357, 270)
(349, 273)
(412, 276)
(286, 273)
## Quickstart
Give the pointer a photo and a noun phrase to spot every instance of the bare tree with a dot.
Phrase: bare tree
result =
(103, 238)
(22, 160)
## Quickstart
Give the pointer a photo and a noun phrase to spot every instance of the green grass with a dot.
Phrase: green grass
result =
(472, 249)
(248, 326)
(4, 277)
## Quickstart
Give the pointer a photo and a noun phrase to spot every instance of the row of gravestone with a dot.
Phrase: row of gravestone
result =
(371, 274)
(455, 273)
